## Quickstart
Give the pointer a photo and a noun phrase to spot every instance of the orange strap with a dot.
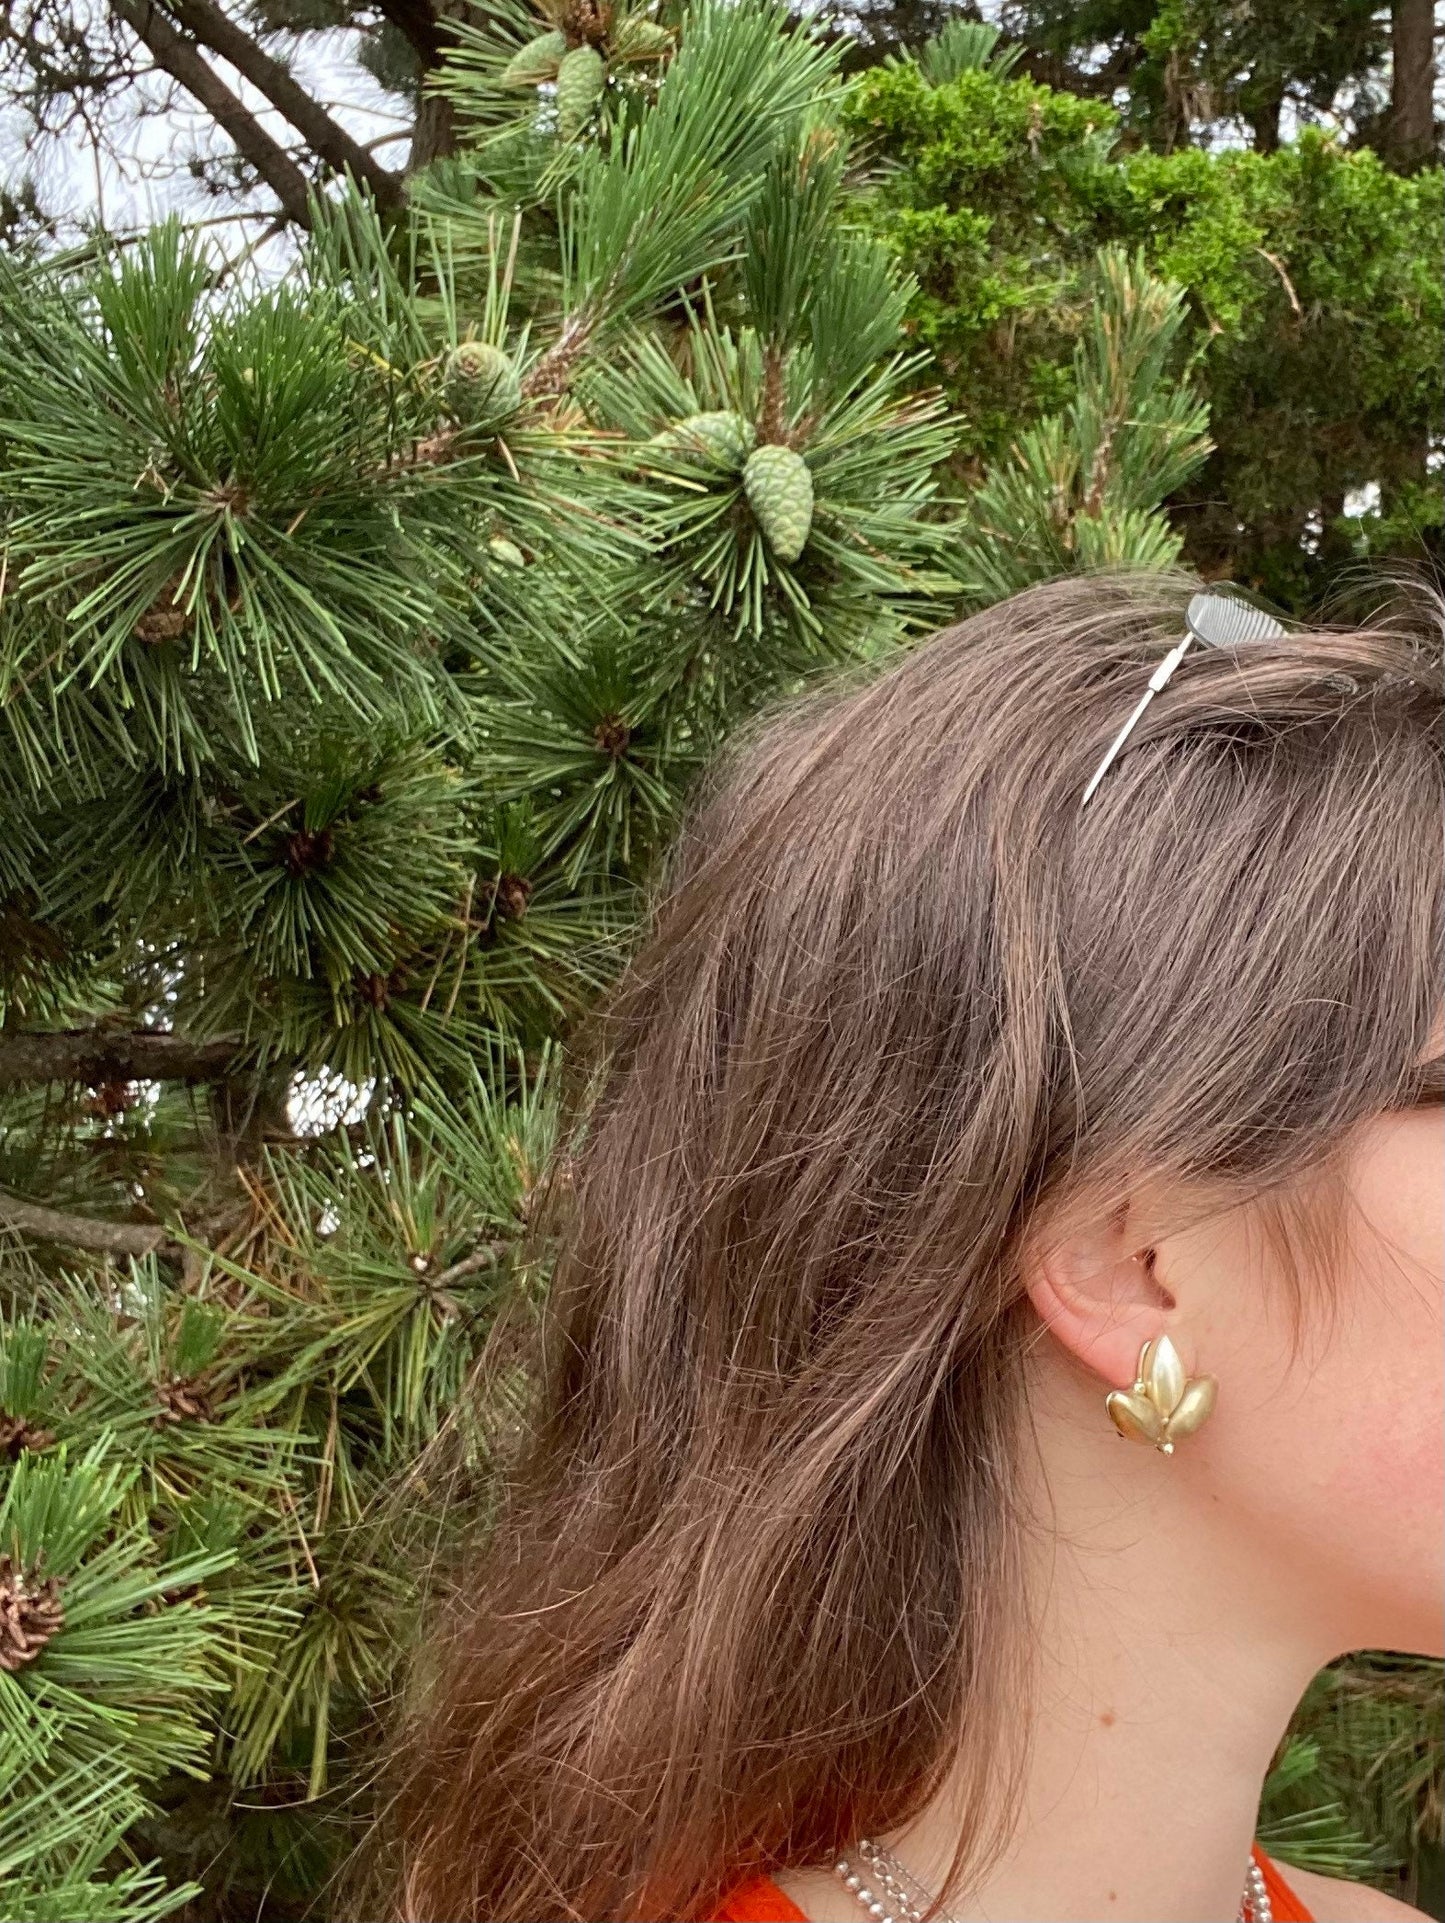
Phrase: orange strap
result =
(1285, 1904)
(762, 1901)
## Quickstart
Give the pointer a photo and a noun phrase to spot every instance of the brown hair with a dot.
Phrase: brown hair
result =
(758, 1584)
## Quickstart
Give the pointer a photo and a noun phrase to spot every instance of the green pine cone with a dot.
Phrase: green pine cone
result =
(579, 87)
(507, 552)
(780, 493)
(481, 381)
(638, 38)
(537, 61)
(720, 440)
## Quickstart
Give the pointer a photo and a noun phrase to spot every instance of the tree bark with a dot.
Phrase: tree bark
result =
(175, 55)
(1412, 84)
(92, 1057)
(80, 1231)
(434, 133)
(419, 22)
(330, 142)
(1264, 125)
(426, 26)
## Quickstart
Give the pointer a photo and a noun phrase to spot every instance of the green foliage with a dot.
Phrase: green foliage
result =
(226, 1499)
(1193, 64)
(116, 1674)
(1355, 1791)
(1313, 293)
(965, 46)
(114, 1656)
(359, 638)
(249, 514)
(862, 550)
(1083, 488)
(980, 201)
(53, 1843)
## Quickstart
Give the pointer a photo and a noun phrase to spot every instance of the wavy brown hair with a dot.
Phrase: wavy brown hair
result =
(758, 1583)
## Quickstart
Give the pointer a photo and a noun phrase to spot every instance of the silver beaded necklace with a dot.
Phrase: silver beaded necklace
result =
(891, 1902)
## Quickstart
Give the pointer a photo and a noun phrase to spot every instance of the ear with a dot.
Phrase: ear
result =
(1099, 1293)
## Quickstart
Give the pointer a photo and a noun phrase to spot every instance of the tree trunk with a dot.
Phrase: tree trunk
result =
(434, 134)
(1264, 123)
(1411, 141)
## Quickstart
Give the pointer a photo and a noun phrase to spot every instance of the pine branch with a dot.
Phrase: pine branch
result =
(550, 374)
(177, 57)
(480, 1259)
(92, 1057)
(209, 25)
(80, 1231)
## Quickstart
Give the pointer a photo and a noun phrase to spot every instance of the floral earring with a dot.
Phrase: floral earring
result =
(1163, 1405)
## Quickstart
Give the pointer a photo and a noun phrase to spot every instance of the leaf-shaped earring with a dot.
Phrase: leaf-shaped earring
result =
(1164, 1405)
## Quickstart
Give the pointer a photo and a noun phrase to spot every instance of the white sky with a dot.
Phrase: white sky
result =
(156, 128)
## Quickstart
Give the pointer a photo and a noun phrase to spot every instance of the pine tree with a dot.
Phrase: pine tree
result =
(1085, 488)
(361, 634)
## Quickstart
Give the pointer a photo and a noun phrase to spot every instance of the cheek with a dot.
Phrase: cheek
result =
(1386, 1450)
(1362, 1421)
(1370, 1528)
(1396, 1284)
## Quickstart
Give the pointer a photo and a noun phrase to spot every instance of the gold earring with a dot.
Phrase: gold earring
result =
(1163, 1405)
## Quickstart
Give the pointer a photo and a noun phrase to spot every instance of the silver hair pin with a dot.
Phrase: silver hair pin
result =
(1220, 617)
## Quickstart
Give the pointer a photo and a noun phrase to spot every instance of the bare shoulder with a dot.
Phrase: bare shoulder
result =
(1330, 1899)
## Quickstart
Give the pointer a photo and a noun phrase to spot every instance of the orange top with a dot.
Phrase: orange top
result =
(763, 1902)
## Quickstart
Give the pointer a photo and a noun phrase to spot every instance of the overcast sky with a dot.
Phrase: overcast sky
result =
(156, 131)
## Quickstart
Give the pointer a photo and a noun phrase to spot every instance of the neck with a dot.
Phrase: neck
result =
(1168, 1662)
(1168, 1656)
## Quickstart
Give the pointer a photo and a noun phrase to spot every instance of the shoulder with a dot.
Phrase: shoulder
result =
(1330, 1899)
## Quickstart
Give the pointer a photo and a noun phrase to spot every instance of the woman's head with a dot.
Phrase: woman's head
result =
(915, 1059)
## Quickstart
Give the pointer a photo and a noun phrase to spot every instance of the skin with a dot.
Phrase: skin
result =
(1184, 1603)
